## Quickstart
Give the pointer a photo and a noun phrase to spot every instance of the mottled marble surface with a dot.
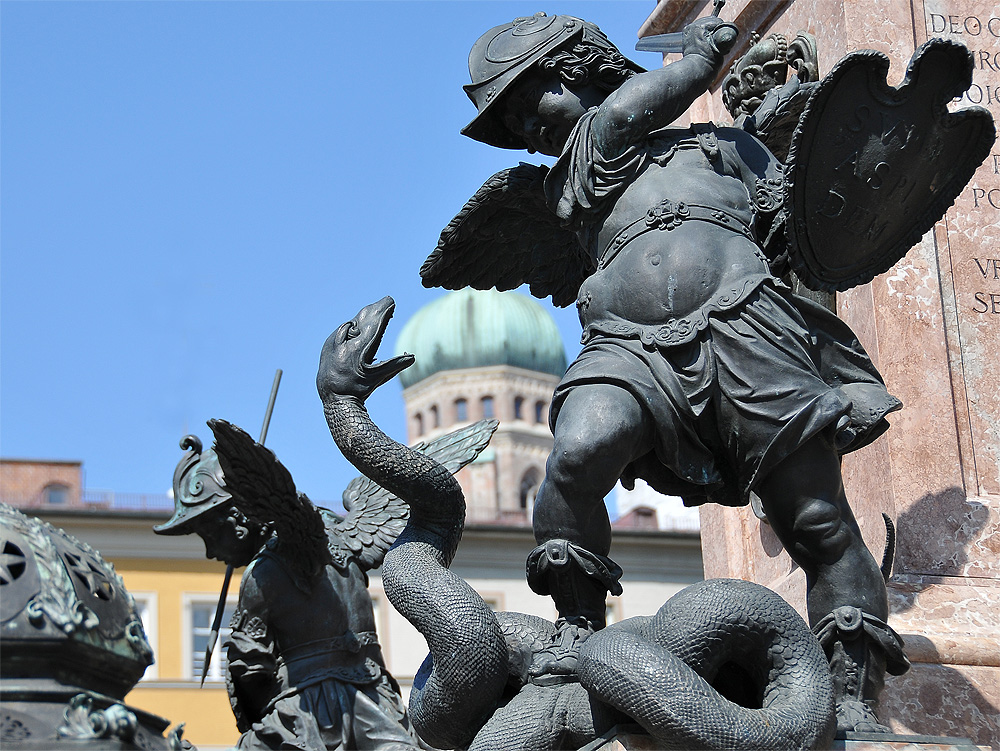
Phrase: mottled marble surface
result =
(952, 700)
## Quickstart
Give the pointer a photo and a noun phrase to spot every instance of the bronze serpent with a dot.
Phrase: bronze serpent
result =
(723, 664)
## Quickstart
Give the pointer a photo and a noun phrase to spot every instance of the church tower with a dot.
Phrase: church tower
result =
(486, 354)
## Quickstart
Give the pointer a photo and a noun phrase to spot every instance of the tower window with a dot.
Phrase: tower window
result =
(487, 402)
(529, 488)
(539, 412)
(461, 410)
(435, 417)
(418, 423)
(518, 407)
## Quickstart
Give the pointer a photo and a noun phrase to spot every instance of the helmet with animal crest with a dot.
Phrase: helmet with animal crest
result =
(506, 52)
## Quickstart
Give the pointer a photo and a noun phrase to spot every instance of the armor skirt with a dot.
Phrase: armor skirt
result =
(757, 383)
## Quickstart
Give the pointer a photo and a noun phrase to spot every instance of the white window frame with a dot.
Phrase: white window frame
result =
(215, 669)
(146, 605)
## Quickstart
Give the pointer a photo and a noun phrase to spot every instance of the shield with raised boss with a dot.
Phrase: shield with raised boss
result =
(873, 167)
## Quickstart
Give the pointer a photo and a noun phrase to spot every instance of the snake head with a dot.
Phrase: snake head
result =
(347, 364)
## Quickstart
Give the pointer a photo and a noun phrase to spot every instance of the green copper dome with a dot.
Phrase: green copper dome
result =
(474, 328)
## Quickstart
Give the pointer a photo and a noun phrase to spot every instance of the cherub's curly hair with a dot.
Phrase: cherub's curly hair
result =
(586, 63)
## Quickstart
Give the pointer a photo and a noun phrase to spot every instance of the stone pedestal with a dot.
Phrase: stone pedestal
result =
(932, 325)
(632, 738)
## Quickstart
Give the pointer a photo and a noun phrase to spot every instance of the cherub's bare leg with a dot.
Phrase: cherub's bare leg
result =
(846, 596)
(600, 429)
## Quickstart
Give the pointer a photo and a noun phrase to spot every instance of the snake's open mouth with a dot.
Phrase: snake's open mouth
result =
(373, 321)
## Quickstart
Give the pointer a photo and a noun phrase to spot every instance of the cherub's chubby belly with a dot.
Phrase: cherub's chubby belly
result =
(662, 283)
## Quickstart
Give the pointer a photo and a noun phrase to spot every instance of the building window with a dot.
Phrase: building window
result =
(201, 612)
(56, 495)
(418, 424)
(612, 613)
(518, 407)
(461, 410)
(145, 606)
(539, 412)
(435, 417)
(529, 488)
(487, 402)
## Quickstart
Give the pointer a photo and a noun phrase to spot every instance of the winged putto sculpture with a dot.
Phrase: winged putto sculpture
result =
(701, 371)
(304, 666)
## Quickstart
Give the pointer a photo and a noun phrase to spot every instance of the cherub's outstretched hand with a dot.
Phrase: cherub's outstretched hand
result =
(710, 37)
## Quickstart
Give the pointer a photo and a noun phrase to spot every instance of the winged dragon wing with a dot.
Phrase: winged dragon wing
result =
(506, 235)
(375, 517)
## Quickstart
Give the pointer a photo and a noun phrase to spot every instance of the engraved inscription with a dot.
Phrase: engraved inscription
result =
(971, 235)
(866, 140)
(856, 219)
(985, 301)
(981, 34)
(938, 23)
(983, 198)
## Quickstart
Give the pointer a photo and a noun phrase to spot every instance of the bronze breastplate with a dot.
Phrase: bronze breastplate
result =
(659, 280)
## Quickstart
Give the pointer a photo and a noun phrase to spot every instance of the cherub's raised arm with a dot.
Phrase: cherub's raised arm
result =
(653, 100)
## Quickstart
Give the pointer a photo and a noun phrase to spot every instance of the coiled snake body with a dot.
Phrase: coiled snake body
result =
(671, 672)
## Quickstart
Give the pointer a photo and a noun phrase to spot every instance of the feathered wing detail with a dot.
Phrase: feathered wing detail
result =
(506, 235)
(252, 472)
(264, 488)
(375, 517)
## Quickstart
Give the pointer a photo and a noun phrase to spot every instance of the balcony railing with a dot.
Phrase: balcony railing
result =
(94, 499)
(111, 499)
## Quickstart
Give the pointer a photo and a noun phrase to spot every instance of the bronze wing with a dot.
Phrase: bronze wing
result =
(375, 517)
(252, 471)
(264, 487)
(506, 235)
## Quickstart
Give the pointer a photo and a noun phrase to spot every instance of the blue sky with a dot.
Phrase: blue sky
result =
(197, 193)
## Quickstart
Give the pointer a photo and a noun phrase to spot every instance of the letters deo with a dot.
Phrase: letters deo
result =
(971, 25)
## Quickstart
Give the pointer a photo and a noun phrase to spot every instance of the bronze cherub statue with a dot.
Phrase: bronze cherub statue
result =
(304, 665)
(701, 372)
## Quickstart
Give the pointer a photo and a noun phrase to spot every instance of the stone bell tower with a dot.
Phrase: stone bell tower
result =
(486, 354)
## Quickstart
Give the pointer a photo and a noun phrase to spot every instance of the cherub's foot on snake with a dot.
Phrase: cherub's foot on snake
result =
(557, 661)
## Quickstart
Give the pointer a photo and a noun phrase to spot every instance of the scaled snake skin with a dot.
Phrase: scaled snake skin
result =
(668, 672)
